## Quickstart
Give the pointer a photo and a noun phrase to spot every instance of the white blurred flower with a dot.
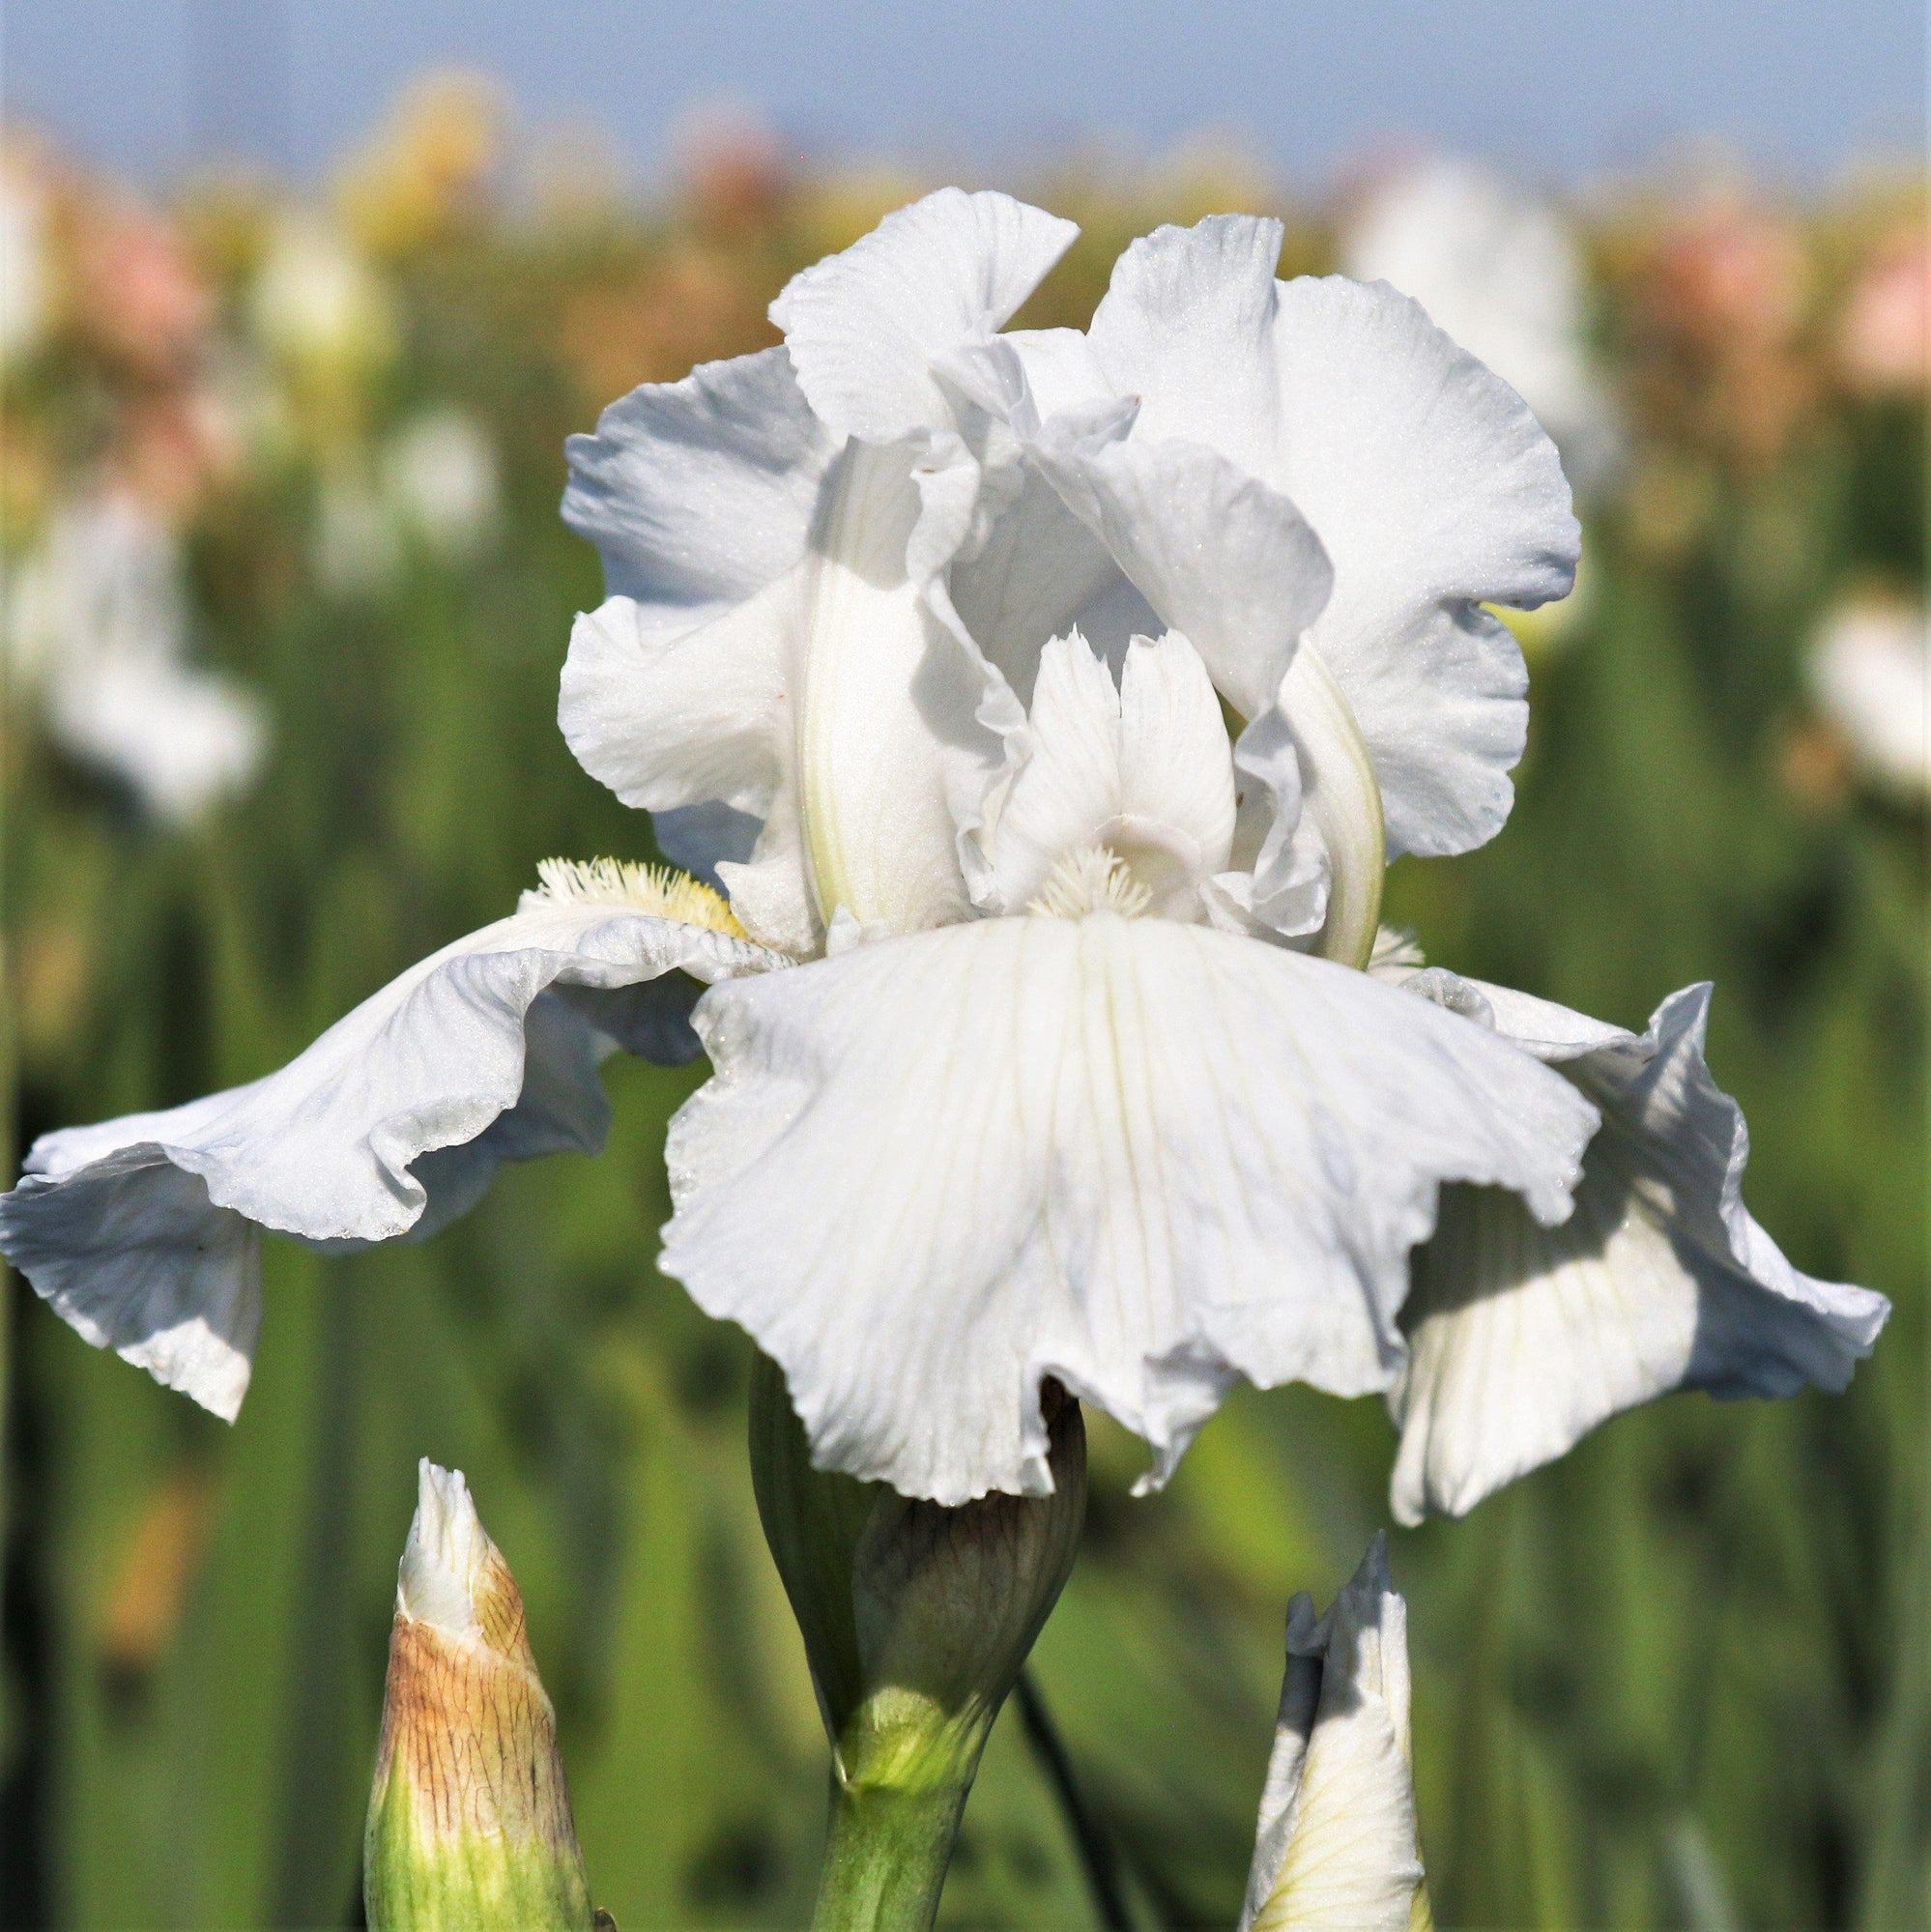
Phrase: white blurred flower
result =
(96, 621)
(440, 475)
(1870, 672)
(26, 281)
(1499, 270)
(1337, 1846)
(319, 302)
(435, 484)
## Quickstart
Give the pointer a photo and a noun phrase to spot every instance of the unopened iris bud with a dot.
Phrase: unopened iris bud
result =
(916, 1620)
(469, 1821)
(1337, 1845)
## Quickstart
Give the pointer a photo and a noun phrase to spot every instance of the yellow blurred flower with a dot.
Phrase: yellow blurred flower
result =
(426, 166)
(325, 313)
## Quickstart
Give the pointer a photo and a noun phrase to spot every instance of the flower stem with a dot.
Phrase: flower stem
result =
(1098, 1860)
(886, 1854)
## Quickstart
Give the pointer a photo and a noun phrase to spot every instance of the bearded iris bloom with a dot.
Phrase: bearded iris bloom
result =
(1047, 706)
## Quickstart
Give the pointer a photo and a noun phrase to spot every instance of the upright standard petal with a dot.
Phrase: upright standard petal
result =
(698, 494)
(1187, 324)
(701, 497)
(1217, 555)
(864, 328)
(1524, 1338)
(1336, 1845)
(1140, 1157)
(1427, 479)
(143, 1232)
(1435, 492)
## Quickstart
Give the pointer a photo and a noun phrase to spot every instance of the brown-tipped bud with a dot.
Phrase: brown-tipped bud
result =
(469, 1820)
(916, 1617)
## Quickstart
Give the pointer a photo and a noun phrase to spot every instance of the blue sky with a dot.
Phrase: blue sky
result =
(1559, 89)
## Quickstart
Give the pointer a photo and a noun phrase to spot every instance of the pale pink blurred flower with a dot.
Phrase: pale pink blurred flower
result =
(176, 444)
(137, 292)
(730, 164)
(1733, 275)
(1882, 332)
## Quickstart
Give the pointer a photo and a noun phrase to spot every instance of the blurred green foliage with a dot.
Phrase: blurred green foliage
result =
(1677, 1678)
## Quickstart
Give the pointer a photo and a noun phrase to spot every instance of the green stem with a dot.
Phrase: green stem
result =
(886, 1854)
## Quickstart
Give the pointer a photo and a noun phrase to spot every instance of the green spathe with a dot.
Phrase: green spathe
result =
(418, 1881)
(469, 1819)
(916, 1620)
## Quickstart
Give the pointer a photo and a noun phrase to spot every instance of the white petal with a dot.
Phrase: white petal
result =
(697, 717)
(1187, 324)
(1144, 770)
(1499, 270)
(1336, 1845)
(1060, 370)
(699, 493)
(1142, 1157)
(1524, 1338)
(1435, 492)
(703, 496)
(1220, 556)
(892, 742)
(142, 1231)
(1071, 785)
(836, 706)
(131, 1255)
(1174, 754)
(701, 721)
(1278, 883)
(1038, 570)
(864, 328)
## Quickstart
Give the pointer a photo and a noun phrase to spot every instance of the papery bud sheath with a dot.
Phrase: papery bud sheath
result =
(469, 1819)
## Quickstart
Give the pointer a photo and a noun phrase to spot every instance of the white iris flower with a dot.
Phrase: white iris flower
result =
(1048, 705)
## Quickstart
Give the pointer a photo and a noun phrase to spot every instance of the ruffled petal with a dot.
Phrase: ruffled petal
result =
(1338, 1844)
(1524, 1338)
(142, 1231)
(1219, 555)
(701, 497)
(864, 328)
(1187, 324)
(1435, 492)
(1142, 1157)
(699, 493)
